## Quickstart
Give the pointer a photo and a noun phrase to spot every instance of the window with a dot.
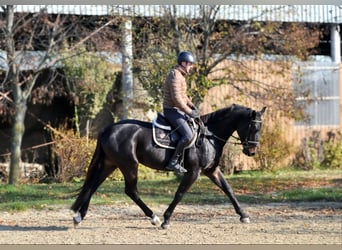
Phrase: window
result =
(320, 81)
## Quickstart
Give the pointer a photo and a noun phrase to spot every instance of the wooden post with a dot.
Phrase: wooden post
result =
(335, 43)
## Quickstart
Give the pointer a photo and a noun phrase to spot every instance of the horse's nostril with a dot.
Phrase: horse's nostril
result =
(253, 150)
(249, 151)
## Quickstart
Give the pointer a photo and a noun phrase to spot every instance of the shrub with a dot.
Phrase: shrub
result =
(316, 152)
(274, 150)
(309, 155)
(74, 154)
(332, 151)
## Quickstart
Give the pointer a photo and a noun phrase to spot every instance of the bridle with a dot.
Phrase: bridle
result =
(246, 143)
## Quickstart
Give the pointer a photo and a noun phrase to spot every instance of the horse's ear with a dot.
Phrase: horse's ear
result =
(262, 110)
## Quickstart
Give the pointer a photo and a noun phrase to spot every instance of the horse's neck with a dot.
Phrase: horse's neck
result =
(224, 127)
(221, 130)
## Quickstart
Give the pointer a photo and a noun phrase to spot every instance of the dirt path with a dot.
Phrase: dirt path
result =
(294, 223)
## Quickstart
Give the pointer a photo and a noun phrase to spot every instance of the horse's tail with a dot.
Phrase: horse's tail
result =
(95, 163)
(91, 177)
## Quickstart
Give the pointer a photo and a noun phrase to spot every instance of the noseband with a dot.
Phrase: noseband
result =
(247, 143)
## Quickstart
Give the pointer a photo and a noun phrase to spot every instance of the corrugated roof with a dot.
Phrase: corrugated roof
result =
(281, 13)
(28, 60)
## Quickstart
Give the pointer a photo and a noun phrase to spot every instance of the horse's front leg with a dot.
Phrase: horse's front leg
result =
(188, 179)
(217, 177)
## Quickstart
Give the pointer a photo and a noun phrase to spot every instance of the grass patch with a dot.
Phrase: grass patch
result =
(310, 194)
(35, 196)
(249, 187)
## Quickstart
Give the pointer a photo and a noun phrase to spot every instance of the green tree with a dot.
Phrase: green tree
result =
(90, 77)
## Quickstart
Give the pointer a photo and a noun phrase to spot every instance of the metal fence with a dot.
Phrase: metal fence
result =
(278, 13)
(321, 79)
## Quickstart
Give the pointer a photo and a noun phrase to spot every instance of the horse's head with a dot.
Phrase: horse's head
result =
(249, 132)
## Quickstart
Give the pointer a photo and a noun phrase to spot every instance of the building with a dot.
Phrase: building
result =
(323, 75)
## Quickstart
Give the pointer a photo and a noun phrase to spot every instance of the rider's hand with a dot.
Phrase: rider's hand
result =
(194, 113)
(194, 108)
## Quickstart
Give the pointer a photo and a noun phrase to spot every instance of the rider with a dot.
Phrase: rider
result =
(177, 105)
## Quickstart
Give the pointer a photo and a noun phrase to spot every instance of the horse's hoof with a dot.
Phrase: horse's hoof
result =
(77, 219)
(245, 220)
(165, 225)
(155, 220)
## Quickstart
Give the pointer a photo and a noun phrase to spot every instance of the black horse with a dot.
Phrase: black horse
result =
(125, 144)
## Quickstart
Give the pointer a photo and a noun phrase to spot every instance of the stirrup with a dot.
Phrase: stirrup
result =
(177, 168)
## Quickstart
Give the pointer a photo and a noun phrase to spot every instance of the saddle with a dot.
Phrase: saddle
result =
(165, 136)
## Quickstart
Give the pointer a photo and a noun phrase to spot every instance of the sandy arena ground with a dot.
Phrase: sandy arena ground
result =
(281, 223)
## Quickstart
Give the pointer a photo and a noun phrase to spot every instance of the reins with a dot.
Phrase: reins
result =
(205, 132)
(246, 142)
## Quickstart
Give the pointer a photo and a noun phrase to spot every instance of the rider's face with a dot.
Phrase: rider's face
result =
(188, 66)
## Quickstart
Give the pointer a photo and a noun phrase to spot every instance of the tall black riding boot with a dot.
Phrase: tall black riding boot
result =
(174, 162)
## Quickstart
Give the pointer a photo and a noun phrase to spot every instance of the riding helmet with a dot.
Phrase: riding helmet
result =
(185, 56)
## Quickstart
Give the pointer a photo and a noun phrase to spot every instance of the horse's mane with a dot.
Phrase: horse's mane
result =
(221, 114)
(210, 118)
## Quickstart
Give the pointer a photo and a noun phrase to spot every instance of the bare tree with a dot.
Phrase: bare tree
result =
(214, 41)
(46, 35)
(127, 64)
(21, 84)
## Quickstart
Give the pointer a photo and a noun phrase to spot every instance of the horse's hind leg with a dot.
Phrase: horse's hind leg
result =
(89, 188)
(131, 179)
(217, 177)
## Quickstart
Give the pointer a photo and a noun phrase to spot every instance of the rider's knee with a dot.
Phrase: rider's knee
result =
(187, 138)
